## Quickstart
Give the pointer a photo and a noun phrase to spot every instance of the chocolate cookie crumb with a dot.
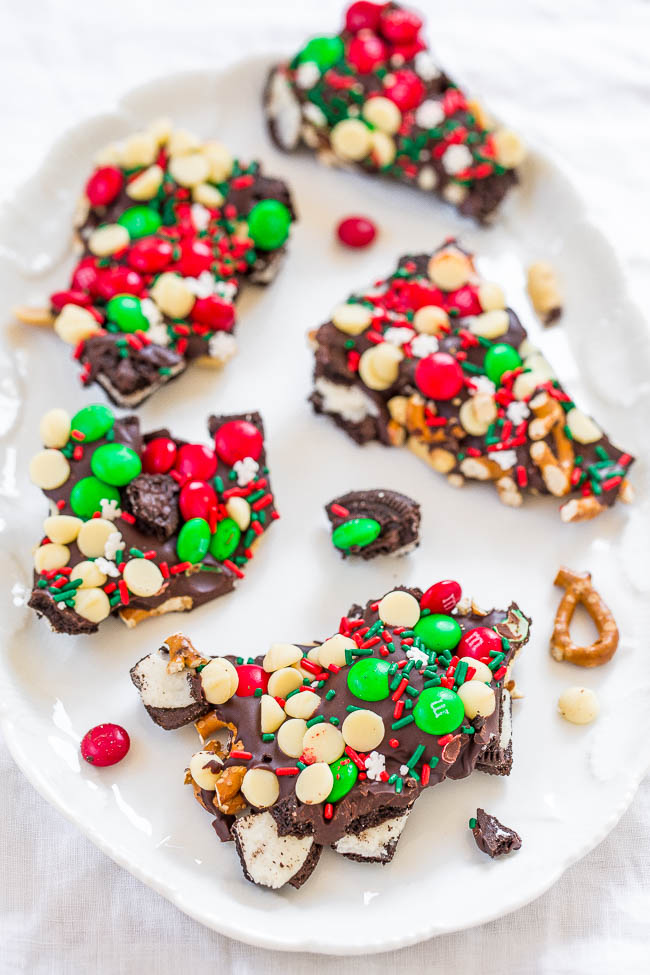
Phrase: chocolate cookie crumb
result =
(491, 836)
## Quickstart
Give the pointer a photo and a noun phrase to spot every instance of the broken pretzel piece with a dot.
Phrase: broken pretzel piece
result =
(580, 590)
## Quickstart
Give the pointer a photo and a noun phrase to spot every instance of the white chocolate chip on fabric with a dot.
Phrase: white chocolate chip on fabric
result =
(383, 114)
(146, 184)
(260, 787)
(379, 365)
(477, 698)
(491, 324)
(491, 296)
(323, 743)
(304, 705)
(240, 511)
(220, 160)
(172, 295)
(449, 269)
(281, 655)
(482, 671)
(314, 783)
(271, 714)
(93, 536)
(74, 324)
(352, 318)
(55, 427)
(509, 149)
(399, 608)
(143, 577)
(363, 730)
(51, 556)
(139, 150)
(219, 681)
(62, 529)
(579, 705)
(351, 139)
(291, 736)
(49, 469)
(92, 604)
(91, 576)
(284, 681)
(333, 650)
(190, 170)
(109, 239)
(430, 320)
(582, 427)
(205, 778)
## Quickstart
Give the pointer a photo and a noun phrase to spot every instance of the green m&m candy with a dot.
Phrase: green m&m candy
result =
(87, 494)
(438, 711)
(115, 463)
(368, 679)
(501, 358)
(345, 775)
(126, 312)
(438, 632)
(268, 224)
(323, 51)
(356, 531)
(225, 539)
(93, 421)
(140, 221)
(193, 540)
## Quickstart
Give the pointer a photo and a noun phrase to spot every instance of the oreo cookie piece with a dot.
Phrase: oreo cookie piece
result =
(491, 836)
(152, 499)
(374, 522)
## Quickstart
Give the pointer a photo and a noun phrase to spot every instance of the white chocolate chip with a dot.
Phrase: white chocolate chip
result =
(454, 193)
(491, 296)
(49, 469)
(429, 114)
(74, 324)
(483, 672)
(220, 159)
(427, 178)
(582, 427)
(143, 577)
(146, 184)
(477, 699)
(284, 681)
(456, 158)
(172, 295)
(363, 730)
(90, 574)
(350, 139)
(290, 737)
(304, 705)
(109, 239)
(382, 149)
(51, 556)
(62, 529)
(219, 681)
(207, 195)
(352, 318)
(160, 130)
(180, 141)
(333, 650)
(491, 324)
(240, 511)
(189, 170)
(399, 608)
(450, 269)
(205, 778)
(139, 150)
(260, 787)
(55, 426)
(579, 705)
(323, 743)
(383, 114)
(430, 320)
(379, 365)
(509, 149)
(314, 783)
(271, 714)
(281, 655)
(93, 536)
(92, 604)
(476, 418)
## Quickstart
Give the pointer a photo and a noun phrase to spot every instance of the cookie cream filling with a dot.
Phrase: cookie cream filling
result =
(160, 689)
(269, 859)
(372, 843)
(349, 402)
(284, 109)
(506, 719)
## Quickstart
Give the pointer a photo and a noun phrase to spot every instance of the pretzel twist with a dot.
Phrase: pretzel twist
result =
(556, 468)
(579, 589)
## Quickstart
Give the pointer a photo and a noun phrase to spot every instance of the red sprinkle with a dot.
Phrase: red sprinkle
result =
(355, 758)
(164, 568)
(128, 517)
(328, 811)
(245, 756)
(339, 510)
(501, 672)
(124, 592)
(424, 775)
(180, 567)
(445, 740)
(287, 770)
(233, 568)
(400, 690)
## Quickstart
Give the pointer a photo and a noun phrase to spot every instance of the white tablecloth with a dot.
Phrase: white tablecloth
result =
(576, 77)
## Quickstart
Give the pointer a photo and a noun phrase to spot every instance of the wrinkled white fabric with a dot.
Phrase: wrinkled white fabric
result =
(573, 76)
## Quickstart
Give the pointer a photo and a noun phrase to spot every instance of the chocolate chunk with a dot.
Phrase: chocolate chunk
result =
(492, 837)
(153, 500)
(377, 522)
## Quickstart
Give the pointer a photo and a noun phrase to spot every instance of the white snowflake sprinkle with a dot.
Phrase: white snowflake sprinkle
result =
(246, 469)
(222, 346)
(398, 336)
(414, 653)
(110, 509)
(114, 543)
(518, 411)
(481, 384)
(429, 114)
(203, 286)
(314, 114)
(61, 605)
(375, 764)
(456, 158)
(425, 66)
(225, 289)
(423, 345)
(151, 312)
(107, 567)
(504, 458)
(158, 334)
(200, 216)
(404, 770)
(307, 74)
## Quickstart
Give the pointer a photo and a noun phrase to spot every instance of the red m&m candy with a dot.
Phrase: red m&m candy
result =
(73, 297)
(251, 677)
(104, 185)
(105, 744)
(198, 499)
(118, 281)
(150, 254)
(362, 14)
(356, 231)
(418, 295)
(442, 596)
(214, 312)
(85, 275)
(465, 299)
(196, 256)
(479, 642)
(196, 461)
(399, 26)
(439, 376)
(366, 51)
(238, 439)
(159, 456)
(405, 89)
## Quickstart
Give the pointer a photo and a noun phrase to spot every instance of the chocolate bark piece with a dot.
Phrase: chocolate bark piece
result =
(138, 561)
(492, 837)
(163, 258)
(365, 819)
(370, 100)
(431, 359)
(269, 858)
(172, 699)
(497, 757)
(394, 517)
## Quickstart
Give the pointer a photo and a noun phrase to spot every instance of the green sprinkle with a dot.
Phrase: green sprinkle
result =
(352, 707)
(602, 453)
(392, 778)
(330, 694)
(317, 720)
(413, 691)
(390, 647)
(396, 681)
(300, 765)
(138, 553)
(240, 660)
(433, 761)
(467, 728)
(257, 692)
(409, 667)
(399, 784)
(434, 682)
(218, 483)
(416, 756)
(296, 690)
(334, 720)
(402, 723)
(268, 737)
(472, 823)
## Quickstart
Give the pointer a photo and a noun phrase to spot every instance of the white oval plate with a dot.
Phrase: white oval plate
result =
(569, 785)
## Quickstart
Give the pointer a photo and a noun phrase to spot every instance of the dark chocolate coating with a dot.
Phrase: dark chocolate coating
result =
(492, 837)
